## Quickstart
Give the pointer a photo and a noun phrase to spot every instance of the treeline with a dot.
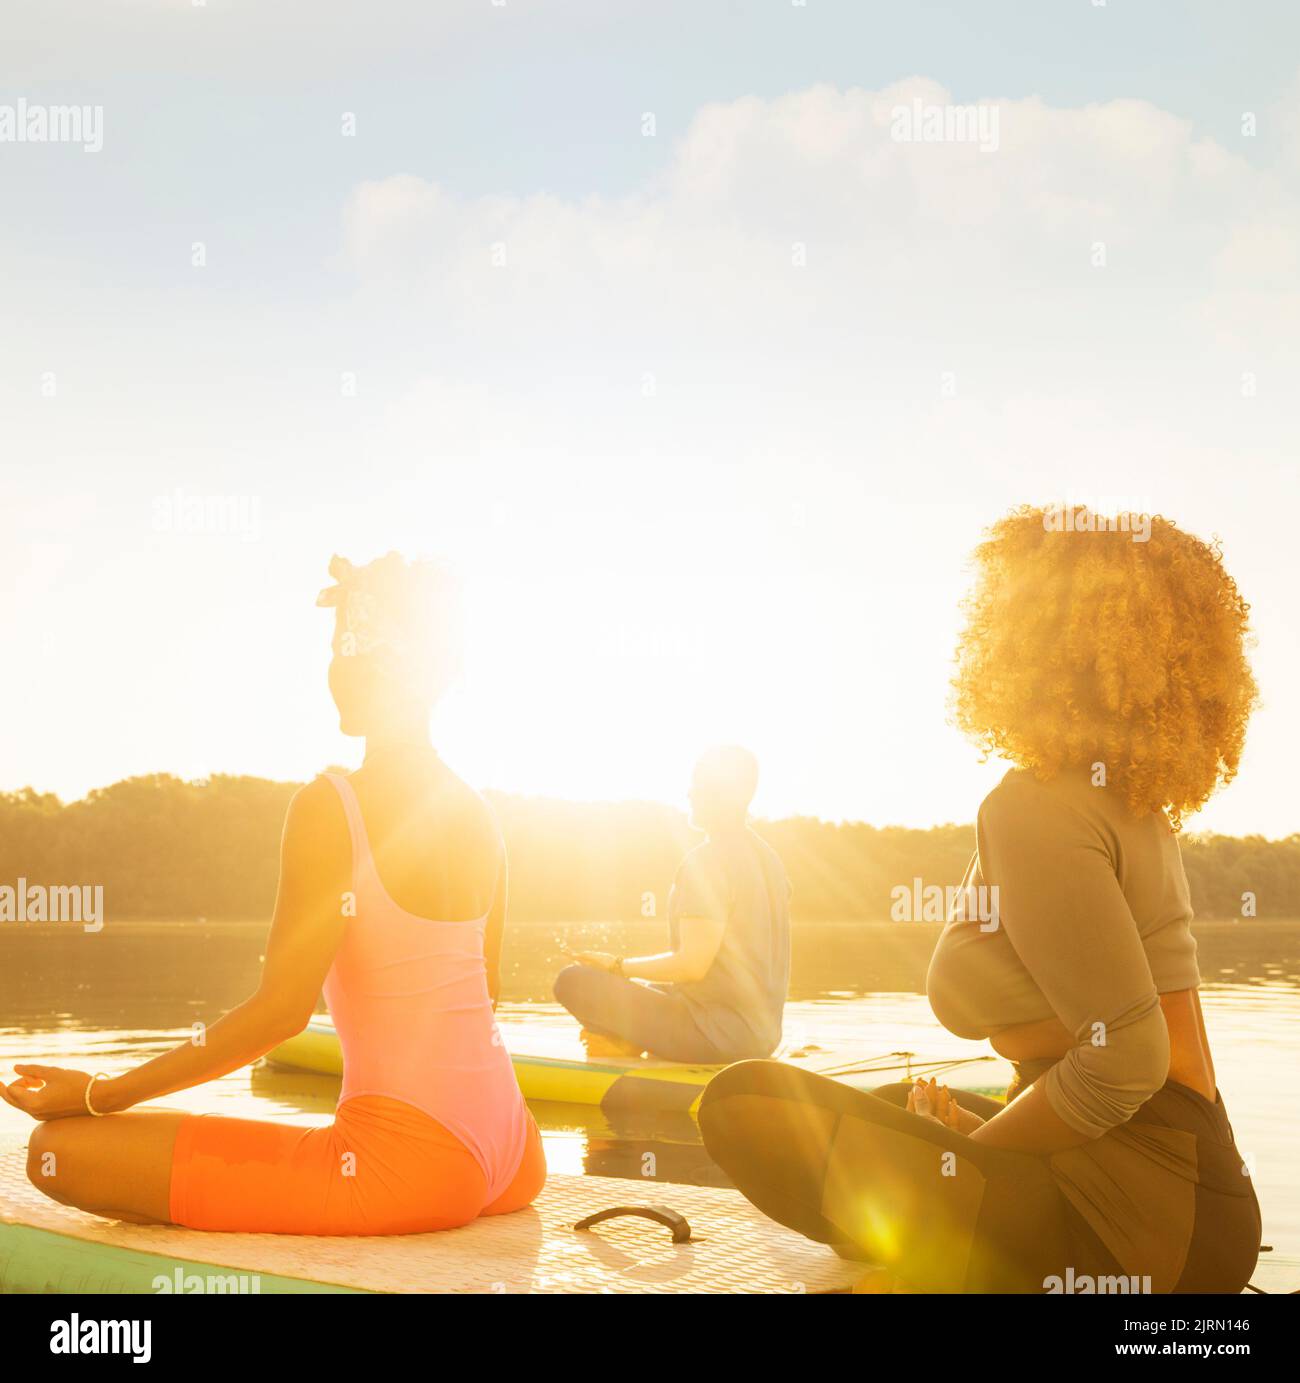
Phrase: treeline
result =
(164, 848)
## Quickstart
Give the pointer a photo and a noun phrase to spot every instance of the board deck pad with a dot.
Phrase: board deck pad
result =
(50, 1248)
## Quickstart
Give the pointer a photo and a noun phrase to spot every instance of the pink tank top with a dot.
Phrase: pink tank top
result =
(410, 1002)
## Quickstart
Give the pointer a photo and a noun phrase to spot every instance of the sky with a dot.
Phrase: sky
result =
(646, 318)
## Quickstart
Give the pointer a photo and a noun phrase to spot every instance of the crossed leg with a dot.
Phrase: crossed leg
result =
(858, 1172)
(119, 1166)
(652, 1018)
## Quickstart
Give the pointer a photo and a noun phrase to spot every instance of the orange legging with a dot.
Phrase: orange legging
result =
(382, 1167)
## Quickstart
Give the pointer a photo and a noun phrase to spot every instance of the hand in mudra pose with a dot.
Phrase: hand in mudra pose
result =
(934, 1101)
(48, 1092)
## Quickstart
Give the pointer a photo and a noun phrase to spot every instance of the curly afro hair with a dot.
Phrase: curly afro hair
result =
(1083, 644)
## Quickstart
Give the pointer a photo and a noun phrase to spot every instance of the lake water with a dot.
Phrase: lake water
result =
(104, 1002)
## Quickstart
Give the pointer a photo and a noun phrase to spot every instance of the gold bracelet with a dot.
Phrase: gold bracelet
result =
(90, 1108)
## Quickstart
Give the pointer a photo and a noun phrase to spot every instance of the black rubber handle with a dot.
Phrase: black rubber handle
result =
(660, 1214)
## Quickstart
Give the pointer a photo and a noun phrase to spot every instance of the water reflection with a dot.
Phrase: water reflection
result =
(107, 1001)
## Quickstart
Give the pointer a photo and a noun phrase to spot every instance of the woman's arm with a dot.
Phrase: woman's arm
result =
(1066, 916)
(307, 927)
(496, 925)
(1030, 1124)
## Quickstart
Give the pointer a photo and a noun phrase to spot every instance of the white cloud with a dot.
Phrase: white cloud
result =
(912, 249)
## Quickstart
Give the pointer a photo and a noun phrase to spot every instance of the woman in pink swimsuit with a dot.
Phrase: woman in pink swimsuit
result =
(392, 899)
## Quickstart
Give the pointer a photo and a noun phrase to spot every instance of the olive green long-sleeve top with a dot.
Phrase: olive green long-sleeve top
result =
(1092, 922)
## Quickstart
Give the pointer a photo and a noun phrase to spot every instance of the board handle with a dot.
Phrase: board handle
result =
(660, 1214)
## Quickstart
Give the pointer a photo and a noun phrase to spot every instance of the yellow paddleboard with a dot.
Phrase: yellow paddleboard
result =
(553, 1072)
(613, 1083)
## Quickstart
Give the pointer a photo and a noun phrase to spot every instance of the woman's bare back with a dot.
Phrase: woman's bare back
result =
(435, 844)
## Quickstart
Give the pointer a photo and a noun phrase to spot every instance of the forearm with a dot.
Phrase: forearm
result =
(667, 968)
(1029, 1124)
(241, 1036)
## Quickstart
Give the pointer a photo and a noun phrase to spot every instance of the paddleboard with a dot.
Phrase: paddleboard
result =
(51, 1248)
(550, 1070)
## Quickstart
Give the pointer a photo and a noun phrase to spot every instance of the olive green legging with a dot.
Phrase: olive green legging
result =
(857, 1171)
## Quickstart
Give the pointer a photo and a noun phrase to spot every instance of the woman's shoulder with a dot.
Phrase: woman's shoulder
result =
(316, 826)
(1076, 803)
(320, 797)
(1018, 789)
(1033, 804)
